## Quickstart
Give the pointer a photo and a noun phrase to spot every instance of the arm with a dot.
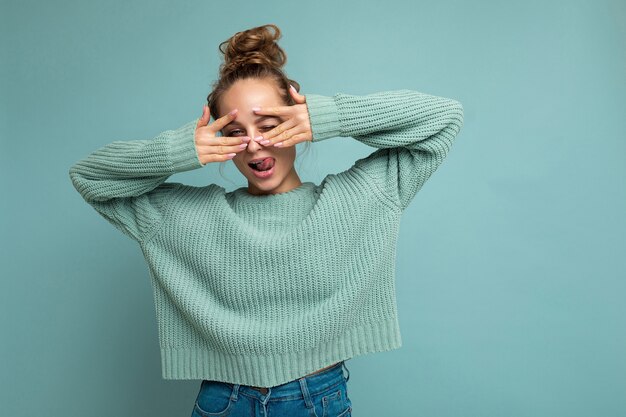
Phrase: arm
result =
(125, 180)
(413, 132)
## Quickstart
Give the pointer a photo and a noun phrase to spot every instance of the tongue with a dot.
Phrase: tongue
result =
(266, 164)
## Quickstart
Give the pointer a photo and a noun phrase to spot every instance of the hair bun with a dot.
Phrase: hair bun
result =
(253, 46)
(252, 54)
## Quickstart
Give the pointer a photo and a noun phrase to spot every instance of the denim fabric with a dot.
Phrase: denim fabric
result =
(324, 394)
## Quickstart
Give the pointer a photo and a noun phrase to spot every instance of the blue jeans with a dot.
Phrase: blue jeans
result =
(320, 395)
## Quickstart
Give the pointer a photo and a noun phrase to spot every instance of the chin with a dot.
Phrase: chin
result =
(265, 181)
(266, 187)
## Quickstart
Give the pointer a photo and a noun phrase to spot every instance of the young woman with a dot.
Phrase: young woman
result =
(264, 292)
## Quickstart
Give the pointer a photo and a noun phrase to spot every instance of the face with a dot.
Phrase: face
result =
(244, 95)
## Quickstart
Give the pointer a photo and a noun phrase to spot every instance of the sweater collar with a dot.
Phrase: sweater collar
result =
(242, 195)
(274, 213)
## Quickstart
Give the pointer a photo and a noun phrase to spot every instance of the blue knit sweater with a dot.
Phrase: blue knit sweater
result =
(263, 289)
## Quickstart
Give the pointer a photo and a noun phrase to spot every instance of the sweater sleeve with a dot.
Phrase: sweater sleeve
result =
(125, 180)
(412, 132)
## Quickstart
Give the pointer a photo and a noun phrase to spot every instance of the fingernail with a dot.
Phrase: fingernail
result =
(292, 87)
(258, 138)
(279, 144)
(256, 108)
(265, 142)
(232, 112)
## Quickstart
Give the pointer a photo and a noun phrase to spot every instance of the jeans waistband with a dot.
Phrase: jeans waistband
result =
(298, 388)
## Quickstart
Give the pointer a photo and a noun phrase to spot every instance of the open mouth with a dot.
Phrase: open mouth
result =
(262, 167)
(262, 164)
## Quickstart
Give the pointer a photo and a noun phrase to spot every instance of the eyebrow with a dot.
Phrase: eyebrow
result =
(258, 119)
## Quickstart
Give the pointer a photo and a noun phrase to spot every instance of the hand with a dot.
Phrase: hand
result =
(211, 148)
(295, 129)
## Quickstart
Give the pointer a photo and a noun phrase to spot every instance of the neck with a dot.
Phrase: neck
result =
(291, 181)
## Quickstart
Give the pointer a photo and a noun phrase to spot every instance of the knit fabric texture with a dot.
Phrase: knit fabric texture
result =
(263, 289)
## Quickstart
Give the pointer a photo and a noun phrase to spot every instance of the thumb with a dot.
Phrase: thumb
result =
(300, 99)
(206, 116)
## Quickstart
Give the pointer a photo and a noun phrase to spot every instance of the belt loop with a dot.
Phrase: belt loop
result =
(343, 363)
(264, 402)
(235, 393)
(305, 393)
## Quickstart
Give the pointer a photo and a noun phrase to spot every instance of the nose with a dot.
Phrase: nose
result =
(253, 145)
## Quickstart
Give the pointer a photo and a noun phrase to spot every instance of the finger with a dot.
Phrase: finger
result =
(217, 158)
(281, 128)
(224, 140)
(224, 149)
(300, 99)
(206, 116)
(295, 139)
(281, 137)
(293, 92)
(220, 149)
(219, 124)
(273, 111)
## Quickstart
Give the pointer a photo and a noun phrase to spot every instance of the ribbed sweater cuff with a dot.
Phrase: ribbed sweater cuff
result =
(181, 148)
(324, 117)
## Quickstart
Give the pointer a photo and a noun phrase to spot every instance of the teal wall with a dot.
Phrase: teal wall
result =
(514, 306)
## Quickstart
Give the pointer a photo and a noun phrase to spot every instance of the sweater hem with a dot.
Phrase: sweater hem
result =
(276, 369)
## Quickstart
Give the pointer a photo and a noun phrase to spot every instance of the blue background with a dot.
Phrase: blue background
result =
(510, 268)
